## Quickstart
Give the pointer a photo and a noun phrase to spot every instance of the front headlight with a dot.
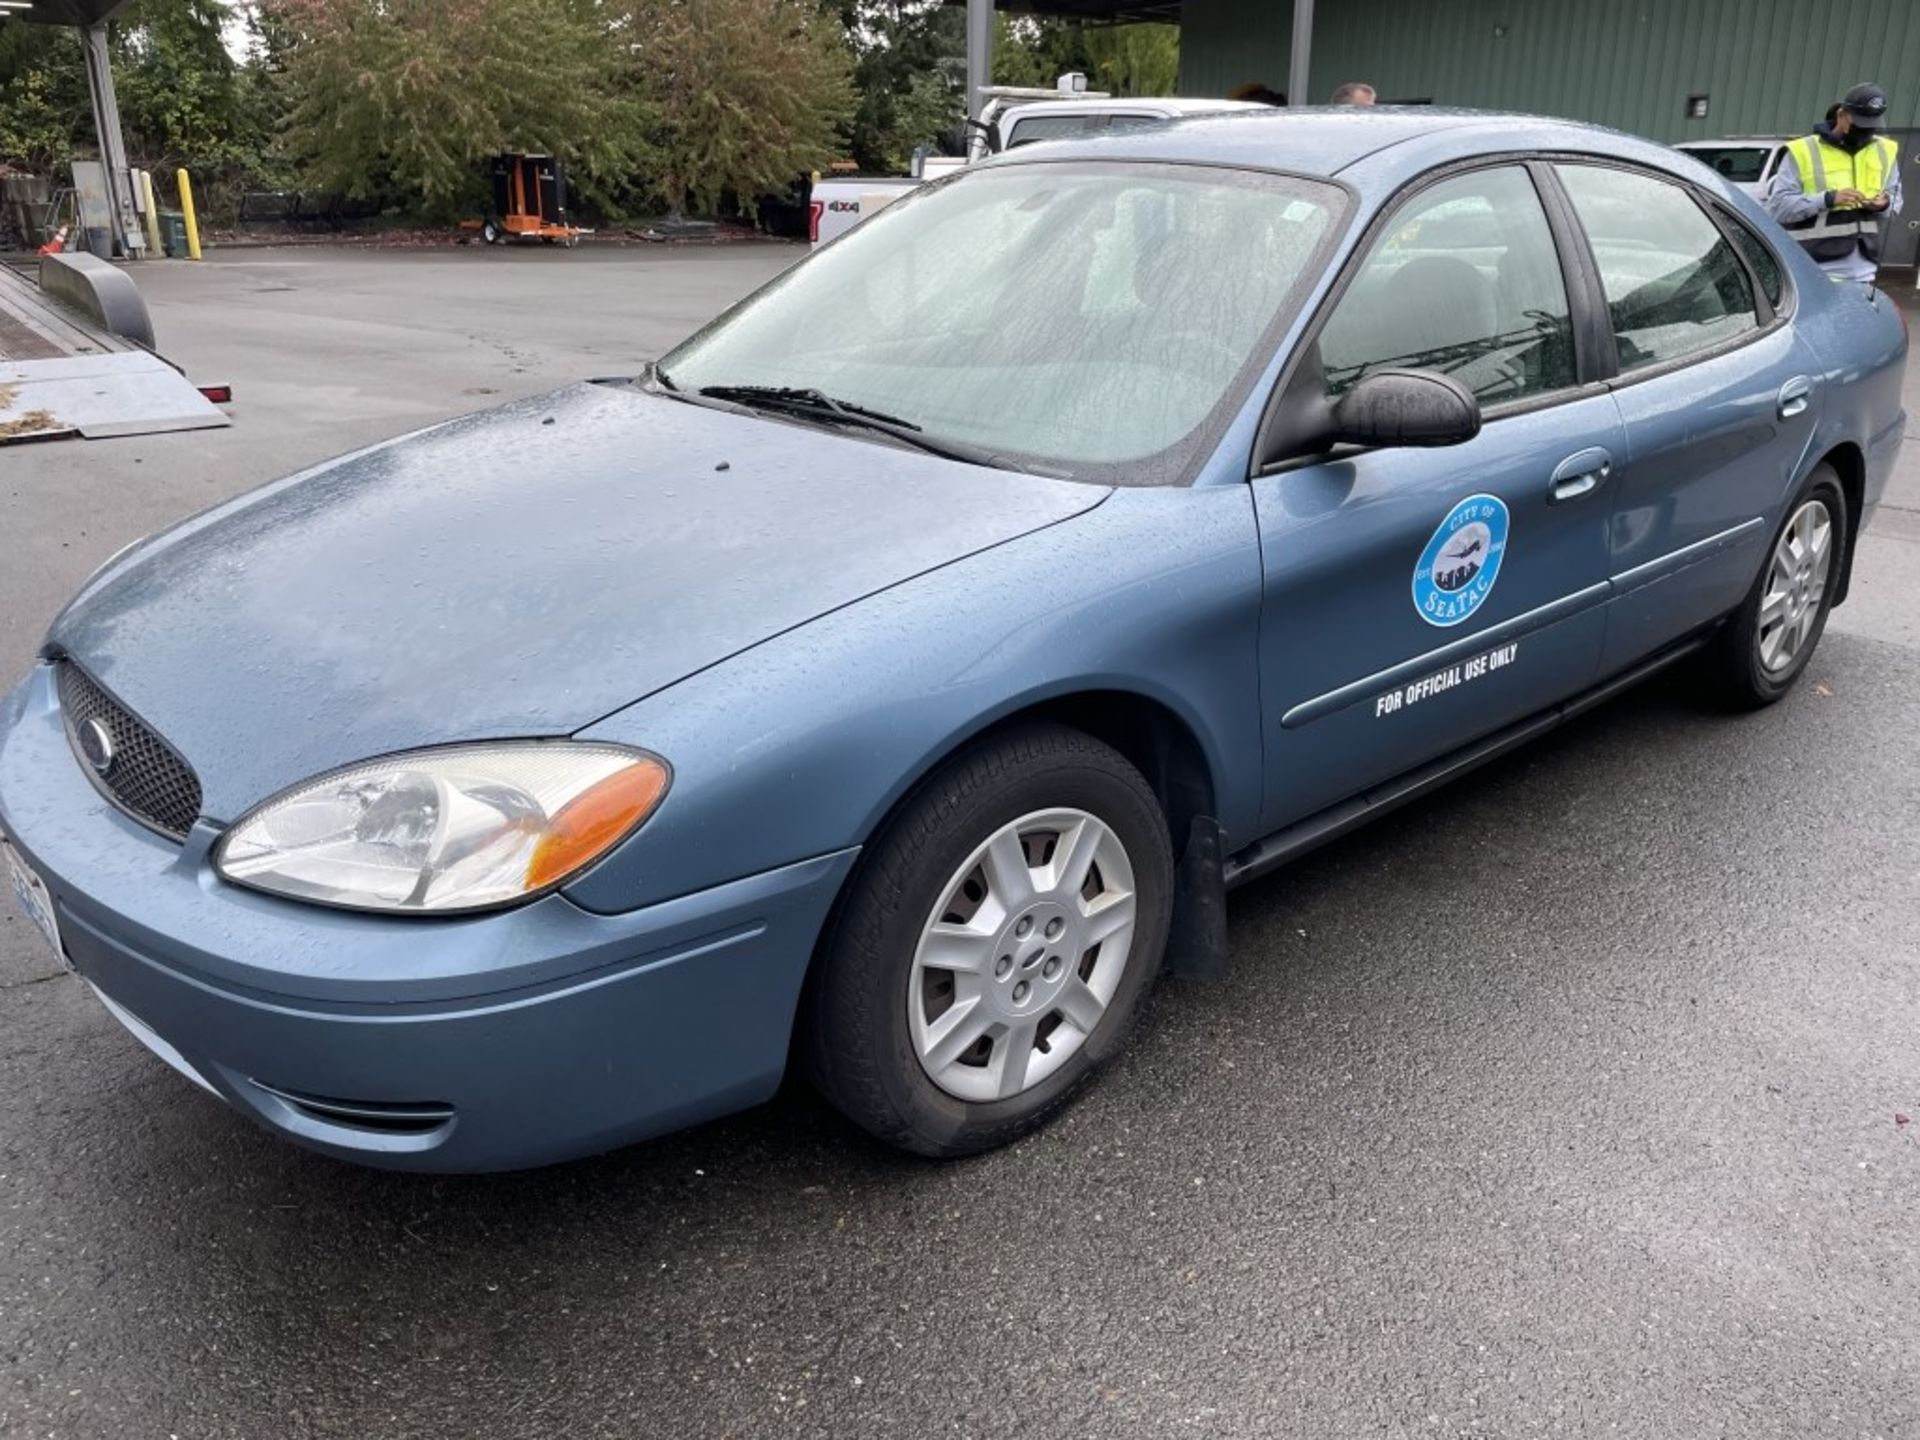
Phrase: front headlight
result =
(470, 827)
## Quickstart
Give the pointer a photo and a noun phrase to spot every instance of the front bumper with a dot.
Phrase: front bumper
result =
(465, 1044)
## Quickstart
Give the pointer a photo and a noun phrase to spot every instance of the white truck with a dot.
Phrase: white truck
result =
(1012, 117)
(1747, 161)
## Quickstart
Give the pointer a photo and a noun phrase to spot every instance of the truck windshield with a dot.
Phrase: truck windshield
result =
(1094, 320)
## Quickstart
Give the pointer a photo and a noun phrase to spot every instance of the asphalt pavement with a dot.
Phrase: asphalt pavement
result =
(1582, 1099)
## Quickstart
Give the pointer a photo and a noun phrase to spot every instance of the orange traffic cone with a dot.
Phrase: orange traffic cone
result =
(57, 243)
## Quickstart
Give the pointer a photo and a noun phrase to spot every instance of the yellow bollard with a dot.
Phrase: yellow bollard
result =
(186, 211)
(152, 214)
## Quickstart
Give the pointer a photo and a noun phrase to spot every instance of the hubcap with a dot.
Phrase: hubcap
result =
(1796, 586)
(1020, 958)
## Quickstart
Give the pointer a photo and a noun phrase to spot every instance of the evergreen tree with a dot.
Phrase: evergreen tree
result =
(746, 96)
(909, 77)
(399, 100)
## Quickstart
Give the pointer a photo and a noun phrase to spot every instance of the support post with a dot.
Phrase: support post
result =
(979, 54)
(1302, 52)
(186, 213)
(113, 146)
(150, 213)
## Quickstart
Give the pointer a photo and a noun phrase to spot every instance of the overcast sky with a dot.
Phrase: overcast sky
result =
(239, 42)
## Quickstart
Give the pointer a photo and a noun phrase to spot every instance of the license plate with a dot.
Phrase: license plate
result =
(34, 898)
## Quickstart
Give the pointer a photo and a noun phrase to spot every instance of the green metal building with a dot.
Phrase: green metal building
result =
(1649, 66)
(1669, 69)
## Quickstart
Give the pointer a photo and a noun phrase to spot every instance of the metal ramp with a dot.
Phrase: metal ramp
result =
(61, 376)
(32, 328)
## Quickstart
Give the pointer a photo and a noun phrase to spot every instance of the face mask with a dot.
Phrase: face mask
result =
(1856, 140)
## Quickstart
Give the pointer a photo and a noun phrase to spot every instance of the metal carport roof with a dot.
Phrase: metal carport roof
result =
(67, 12)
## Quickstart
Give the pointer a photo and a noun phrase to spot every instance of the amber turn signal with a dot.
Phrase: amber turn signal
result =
(596, 820)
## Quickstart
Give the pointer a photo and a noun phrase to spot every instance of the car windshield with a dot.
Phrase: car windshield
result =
(1742, 164)
(1086, 319)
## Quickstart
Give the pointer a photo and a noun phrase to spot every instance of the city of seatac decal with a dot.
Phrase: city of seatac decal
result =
(1458, 568)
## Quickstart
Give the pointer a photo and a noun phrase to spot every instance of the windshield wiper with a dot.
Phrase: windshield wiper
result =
(801, 397)
(815, 404)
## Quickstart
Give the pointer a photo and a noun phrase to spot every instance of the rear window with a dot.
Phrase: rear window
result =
(1764, 263)
(1740, 164)
(1037, 128)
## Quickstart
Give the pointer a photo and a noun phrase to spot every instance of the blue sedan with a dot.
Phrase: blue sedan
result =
(892, 680)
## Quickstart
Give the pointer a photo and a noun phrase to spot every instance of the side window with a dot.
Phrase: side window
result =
(1464, 281)
(1762, 261)
(1672, 282)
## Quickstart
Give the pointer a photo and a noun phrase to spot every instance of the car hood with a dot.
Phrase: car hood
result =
(523, 571)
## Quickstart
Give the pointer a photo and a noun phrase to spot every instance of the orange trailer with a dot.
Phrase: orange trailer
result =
(529, 202)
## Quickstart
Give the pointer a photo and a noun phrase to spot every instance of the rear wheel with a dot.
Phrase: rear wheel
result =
(490, 233)
(1761, 651)
(994, 947)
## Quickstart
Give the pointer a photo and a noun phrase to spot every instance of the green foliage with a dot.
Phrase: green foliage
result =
(399, 100)
(183, 98)
(1133, 59)
(684, 103)
(1120, 59)
(746, 95)
(185, 101)
(909, 73)
(43, 97)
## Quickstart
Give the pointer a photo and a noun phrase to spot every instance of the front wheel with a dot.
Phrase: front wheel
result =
(995, 944)
(1761, 651)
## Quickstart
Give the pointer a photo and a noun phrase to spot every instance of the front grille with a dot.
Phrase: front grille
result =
(144, 775)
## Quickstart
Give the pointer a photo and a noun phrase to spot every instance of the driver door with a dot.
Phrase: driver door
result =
(1417, 599)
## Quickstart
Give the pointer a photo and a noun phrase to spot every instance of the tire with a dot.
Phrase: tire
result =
(490, 233)
(1748, 665)
(864, 1038)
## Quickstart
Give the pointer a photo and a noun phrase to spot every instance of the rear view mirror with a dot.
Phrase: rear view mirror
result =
(1406, 407)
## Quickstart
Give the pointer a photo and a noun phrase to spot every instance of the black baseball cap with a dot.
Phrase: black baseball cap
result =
(1867, 104)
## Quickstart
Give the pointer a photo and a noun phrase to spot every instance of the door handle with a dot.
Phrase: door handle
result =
(1579, 475)
(1795, 396)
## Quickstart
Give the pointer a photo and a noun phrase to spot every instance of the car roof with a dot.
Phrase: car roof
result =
(1171, 105)
(1327, 139)
(1726, 140)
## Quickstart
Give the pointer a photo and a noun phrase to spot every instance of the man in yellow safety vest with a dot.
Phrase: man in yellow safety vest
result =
(1843, 184)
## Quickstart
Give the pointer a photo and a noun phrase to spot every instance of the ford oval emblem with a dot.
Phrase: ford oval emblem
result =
(96, 746)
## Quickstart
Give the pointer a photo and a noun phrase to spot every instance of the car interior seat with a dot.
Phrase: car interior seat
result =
(1434, 302)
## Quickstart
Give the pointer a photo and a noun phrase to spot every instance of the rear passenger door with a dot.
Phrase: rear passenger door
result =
(1716, 391)
(1417, 599)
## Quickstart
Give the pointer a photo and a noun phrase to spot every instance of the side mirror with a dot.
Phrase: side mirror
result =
(1406, 407)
